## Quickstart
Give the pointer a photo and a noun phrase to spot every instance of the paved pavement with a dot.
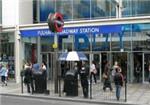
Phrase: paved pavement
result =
(136, 94)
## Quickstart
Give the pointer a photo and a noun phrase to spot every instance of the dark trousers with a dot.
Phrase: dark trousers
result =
(93, 75)
(84, 84)
(3, 79)
(30, 87)
(107, 84)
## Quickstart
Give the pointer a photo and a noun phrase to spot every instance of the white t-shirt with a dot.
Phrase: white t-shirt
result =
(92, 68)
(44, 67)
(6, 73)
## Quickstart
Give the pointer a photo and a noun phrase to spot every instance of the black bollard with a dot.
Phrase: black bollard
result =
(22, 74)
(126, 89)
(59, 82)
(90, 87)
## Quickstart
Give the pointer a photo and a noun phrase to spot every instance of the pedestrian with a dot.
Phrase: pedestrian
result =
(44, 76)
(138, 71)
(28, 79)
(3, 74)
(118, 79)
(36, 68)
(66, 69)
(149, 73)
(93, 71)
(107, 82)
(6, 74)
(116, 65)
(84, 79)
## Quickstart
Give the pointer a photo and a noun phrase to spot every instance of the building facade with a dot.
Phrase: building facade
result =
(106, 30)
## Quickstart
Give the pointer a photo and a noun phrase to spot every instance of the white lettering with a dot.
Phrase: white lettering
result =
(89, 30)
(70, 31)
(44, 33)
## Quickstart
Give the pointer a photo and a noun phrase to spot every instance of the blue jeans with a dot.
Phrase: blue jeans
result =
(118, 89)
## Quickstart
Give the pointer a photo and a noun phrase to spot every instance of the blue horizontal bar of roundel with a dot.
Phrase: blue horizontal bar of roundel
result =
(73, 31)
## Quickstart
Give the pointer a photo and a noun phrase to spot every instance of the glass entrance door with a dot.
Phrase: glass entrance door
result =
(48, 59)
(137, 67)
(121, 58)
(146, 63)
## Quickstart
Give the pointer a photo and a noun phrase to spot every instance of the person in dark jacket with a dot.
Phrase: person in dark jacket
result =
(84, 79)
(28, 79)
(44, 76)
(118, 79)
(107, 82)
(106, 77)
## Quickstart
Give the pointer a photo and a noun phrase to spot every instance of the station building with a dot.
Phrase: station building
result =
(105, 30)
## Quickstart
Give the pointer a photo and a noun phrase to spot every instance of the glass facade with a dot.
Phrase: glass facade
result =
(91, 9)
(129, 47)
(0, 11)
(135, 8)
(7, 51)
(133, 37)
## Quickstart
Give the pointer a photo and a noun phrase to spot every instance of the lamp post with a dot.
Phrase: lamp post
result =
(55, 24)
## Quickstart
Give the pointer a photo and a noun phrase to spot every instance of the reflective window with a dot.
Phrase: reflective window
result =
(91, 9)
(141, 37)
(46, 7)
(7, 51)
(135, 7)
(81, 9)
(0, 11)
(47, 43)
(102, 9)
(65, 8)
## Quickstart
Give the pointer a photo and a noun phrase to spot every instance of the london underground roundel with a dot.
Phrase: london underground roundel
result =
(55, 22)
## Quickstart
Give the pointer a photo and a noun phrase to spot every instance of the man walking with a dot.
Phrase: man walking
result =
(118, 79)
(84, 79)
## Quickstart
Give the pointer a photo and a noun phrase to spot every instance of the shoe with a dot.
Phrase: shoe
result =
(117, 98)
(85, 96)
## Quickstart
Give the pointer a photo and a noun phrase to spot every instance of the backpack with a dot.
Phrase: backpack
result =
(118, 79)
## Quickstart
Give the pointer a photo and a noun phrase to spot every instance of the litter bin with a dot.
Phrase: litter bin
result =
(39, 80)
(71, 83)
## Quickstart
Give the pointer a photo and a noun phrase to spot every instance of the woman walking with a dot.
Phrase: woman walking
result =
(93, 71)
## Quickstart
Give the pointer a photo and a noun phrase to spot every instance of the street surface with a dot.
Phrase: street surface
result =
(11, 100)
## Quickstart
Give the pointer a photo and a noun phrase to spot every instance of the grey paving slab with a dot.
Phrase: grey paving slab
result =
(136, 94)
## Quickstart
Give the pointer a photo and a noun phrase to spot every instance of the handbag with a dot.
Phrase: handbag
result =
(94, 71)
(104, 76)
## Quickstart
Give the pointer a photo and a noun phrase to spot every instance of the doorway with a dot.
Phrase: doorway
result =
(121, 58)
(146, 63)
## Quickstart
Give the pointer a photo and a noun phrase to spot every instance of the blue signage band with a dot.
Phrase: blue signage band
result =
(73, 31)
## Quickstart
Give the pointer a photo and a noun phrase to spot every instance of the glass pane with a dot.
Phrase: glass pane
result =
(102, 9)
(141, 37)
(66, 42)
(65, 8)
(7, 52)
(47, 43)
(101, 42)
(81, 9)
(46, 7)
(82, 42)
(115, 44)
(135, 7)
(0, 11)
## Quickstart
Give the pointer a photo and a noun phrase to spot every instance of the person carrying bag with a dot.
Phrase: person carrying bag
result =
(93, 71)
